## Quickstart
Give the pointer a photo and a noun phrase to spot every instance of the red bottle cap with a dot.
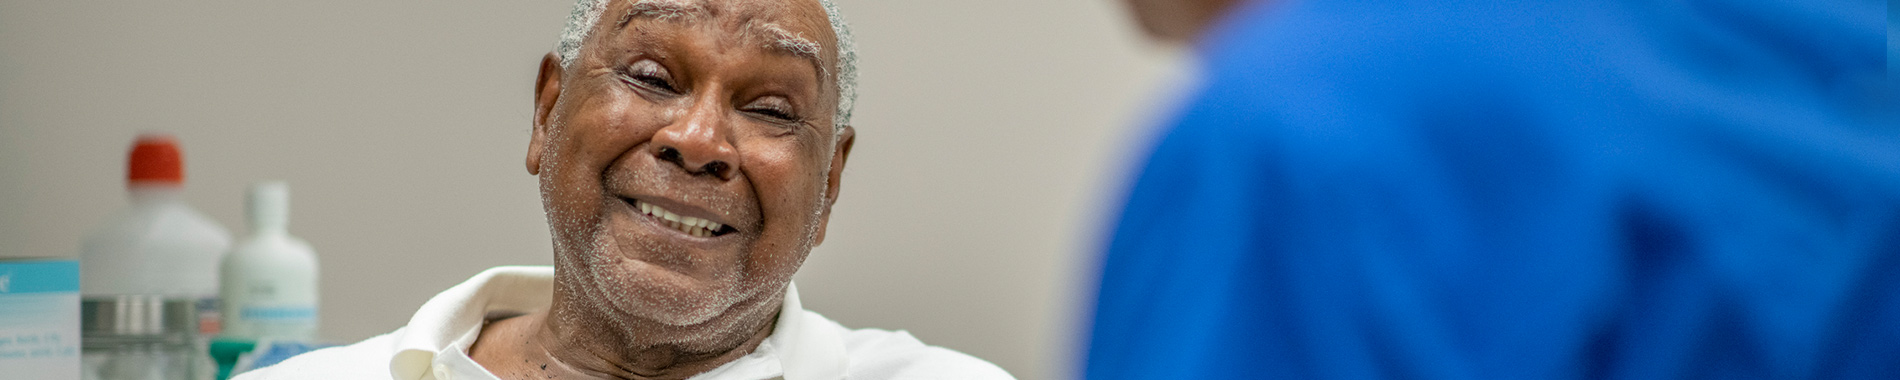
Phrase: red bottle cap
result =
(155, 159)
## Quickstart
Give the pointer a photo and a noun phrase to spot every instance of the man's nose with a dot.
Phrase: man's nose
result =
(698, 143)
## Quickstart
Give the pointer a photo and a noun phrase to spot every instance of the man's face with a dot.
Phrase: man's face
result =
(687, 157)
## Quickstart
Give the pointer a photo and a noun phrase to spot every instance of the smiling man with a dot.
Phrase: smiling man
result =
(689, 152)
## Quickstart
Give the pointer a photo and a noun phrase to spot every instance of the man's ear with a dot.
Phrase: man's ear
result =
(846, 136)
(547, 90)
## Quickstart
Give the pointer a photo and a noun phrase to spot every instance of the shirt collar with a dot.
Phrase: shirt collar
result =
(803, 347)
(807, 350)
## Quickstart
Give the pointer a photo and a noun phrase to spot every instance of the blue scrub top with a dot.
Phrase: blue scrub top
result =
(1518, 190)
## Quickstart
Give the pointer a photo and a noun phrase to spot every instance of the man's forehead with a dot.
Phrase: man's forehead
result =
(667, 9)
(783, 25)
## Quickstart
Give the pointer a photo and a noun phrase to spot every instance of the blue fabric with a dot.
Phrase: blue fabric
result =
(1518, 190)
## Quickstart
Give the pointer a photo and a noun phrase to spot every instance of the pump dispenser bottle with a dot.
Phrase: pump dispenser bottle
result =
(270, 277)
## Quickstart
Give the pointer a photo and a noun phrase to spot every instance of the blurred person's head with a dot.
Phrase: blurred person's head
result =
(689, 153)
(1179, 21)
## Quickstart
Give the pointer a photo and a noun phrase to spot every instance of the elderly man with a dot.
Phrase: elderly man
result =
(689, 152)
(1501, 189)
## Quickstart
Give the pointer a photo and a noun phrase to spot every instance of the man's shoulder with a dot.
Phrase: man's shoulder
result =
(368, 359)
(886, 354)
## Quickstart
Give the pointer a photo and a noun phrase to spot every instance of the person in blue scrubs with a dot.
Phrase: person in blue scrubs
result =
(1513, 190)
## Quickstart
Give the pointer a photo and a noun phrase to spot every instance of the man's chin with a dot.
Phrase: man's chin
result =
(639, 289)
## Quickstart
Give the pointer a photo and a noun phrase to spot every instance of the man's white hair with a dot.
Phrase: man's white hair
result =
(587, 13)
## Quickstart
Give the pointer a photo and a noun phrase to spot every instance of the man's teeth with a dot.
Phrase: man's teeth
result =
(689, 225)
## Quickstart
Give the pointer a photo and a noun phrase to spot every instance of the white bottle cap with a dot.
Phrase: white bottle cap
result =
(269, 207)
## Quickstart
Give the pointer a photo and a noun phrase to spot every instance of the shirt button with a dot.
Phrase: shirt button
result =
(442, 372)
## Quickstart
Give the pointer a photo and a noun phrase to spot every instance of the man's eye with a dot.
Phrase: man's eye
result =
(775, 114)
(651, 74)
(773, 108)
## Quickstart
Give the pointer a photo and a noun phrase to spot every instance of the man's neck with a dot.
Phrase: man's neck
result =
(540, 346)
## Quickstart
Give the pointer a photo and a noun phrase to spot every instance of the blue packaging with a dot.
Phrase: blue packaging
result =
(39, 319)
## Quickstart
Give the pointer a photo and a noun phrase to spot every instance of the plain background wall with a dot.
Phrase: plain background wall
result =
(992, 134)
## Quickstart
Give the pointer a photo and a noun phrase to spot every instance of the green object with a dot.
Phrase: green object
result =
(225, 352)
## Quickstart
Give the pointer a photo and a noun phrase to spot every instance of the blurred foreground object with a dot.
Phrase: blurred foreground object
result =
(150, 276)
(1517, 190)
(236, 356)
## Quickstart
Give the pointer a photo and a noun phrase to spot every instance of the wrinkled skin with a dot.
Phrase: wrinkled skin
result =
(700, 116)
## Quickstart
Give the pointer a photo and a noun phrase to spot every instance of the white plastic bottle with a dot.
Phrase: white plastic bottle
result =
(270, 277)
(149, 275)
(158, 245)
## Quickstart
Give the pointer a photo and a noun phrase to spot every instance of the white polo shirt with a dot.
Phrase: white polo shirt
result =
(803, 345)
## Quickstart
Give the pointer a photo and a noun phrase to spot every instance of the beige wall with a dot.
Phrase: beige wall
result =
(992, 132)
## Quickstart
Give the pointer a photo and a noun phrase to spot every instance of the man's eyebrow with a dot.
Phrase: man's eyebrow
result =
(786, 42)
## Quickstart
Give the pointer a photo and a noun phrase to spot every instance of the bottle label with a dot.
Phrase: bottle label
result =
(280, 322)
(278, 314)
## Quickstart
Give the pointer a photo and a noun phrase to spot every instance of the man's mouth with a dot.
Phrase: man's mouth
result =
(685, 224)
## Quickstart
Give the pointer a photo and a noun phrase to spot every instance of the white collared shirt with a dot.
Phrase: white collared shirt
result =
(803, 344)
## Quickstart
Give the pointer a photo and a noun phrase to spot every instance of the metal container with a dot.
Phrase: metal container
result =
(141, 337)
